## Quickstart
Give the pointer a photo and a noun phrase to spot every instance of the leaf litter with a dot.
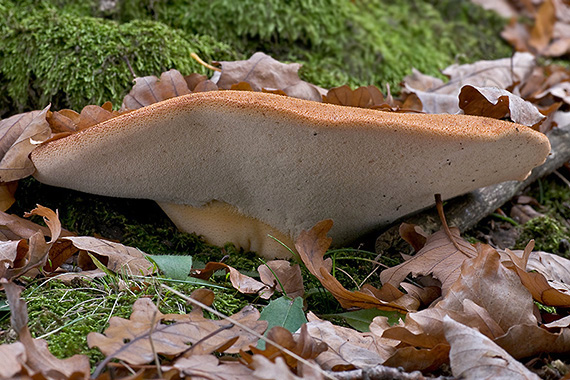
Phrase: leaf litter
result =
(464, 307)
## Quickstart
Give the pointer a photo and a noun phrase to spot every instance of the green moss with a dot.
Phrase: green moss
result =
(65, 315)
(72, 61)
(69, 53)
(548, 234)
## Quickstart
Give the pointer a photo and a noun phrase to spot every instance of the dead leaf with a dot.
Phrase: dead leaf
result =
(268, 370)
(19, 136)
(171, 334)
(474, 356)
(497, 103)
(348, 348)
(7, 191)
(210, 367)
(541, 32)
(363, 97)
(263, 72)
(117, 257)
(241, 282)
(289, 277)
(38, 358)
(439, 257)
(149, 90)
(25, 247)
(12, 358)
(311, 246)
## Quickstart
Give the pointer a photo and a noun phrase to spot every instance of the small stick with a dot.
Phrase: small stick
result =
(200, 61)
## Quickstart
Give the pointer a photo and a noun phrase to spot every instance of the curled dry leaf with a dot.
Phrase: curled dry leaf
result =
(439, 257)
(546, 276)
(117, 257)
(289, 277)
(266, 369)
(210, 367)
(149, 90)
(348, 348)
(171, 334)
(38, 359)
(302, 344)
(363, 97)
(68, 121)
(19, 136)
(241, 282)
(474, 356)
(497, 103)
(263, 72)
(12, 358)
(312, 246)
(24, 247)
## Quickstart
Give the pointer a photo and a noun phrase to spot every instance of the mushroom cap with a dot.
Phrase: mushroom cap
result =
(286, 162)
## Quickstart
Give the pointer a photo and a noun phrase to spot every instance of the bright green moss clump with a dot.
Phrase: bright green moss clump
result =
(73, 61)
(69, 52)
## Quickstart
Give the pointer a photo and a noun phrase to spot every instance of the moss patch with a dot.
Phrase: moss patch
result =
(71, 61)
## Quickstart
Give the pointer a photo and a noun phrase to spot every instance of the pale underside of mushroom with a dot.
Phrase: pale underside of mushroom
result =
(235, 166)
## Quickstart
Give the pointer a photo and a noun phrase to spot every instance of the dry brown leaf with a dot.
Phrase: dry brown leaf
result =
(363, 97)
(439, 97)
(302, 344)
(19, 136)
(149, 90)
(265, 369)
(241, 282)
(210, 367)
(526, 340)
(311, 246)
(497, 103)
(348, 348)
(115, 256)
(474, 356)
(7, 191)
(413, 235)
(289, 276)
(263, 72)
(439, 257)
(171, 334)
(26, 248)
(38, 358)
(12, 358)
(547, 276)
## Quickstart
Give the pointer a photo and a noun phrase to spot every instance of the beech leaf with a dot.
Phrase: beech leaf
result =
(149, 90)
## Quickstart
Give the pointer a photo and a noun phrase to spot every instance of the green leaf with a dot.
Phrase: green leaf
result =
(283, 312)
(361, 319)
(173, 266)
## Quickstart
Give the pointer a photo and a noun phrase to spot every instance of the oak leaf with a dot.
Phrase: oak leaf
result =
(312, 246)
(439, 257)
(19, 136)
(210, 367)
(149, 90)
(474, 356)
(263, 72)
(148, 331)
(277, 273)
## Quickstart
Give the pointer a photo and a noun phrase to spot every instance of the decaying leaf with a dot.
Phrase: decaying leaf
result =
(348, 348)
(263, 72)
(24, 246)
(150, 90)
(148, 331)
(117, 257)
(266, 369)
(19, 135)
(312, 245)
(289, 276)
(241, 282)
(497, 103)
(69, 121)
(438, 257)
(210, 367)
(37, 360)
(474, 356)
(363, 97)
(301, 344)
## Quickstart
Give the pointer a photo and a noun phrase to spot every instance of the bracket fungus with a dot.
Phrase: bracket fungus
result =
(236, 166)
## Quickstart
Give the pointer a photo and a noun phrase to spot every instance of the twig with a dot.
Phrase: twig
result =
(200, 61)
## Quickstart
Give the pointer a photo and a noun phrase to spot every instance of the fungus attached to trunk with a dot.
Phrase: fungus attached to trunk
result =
(235, 166)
